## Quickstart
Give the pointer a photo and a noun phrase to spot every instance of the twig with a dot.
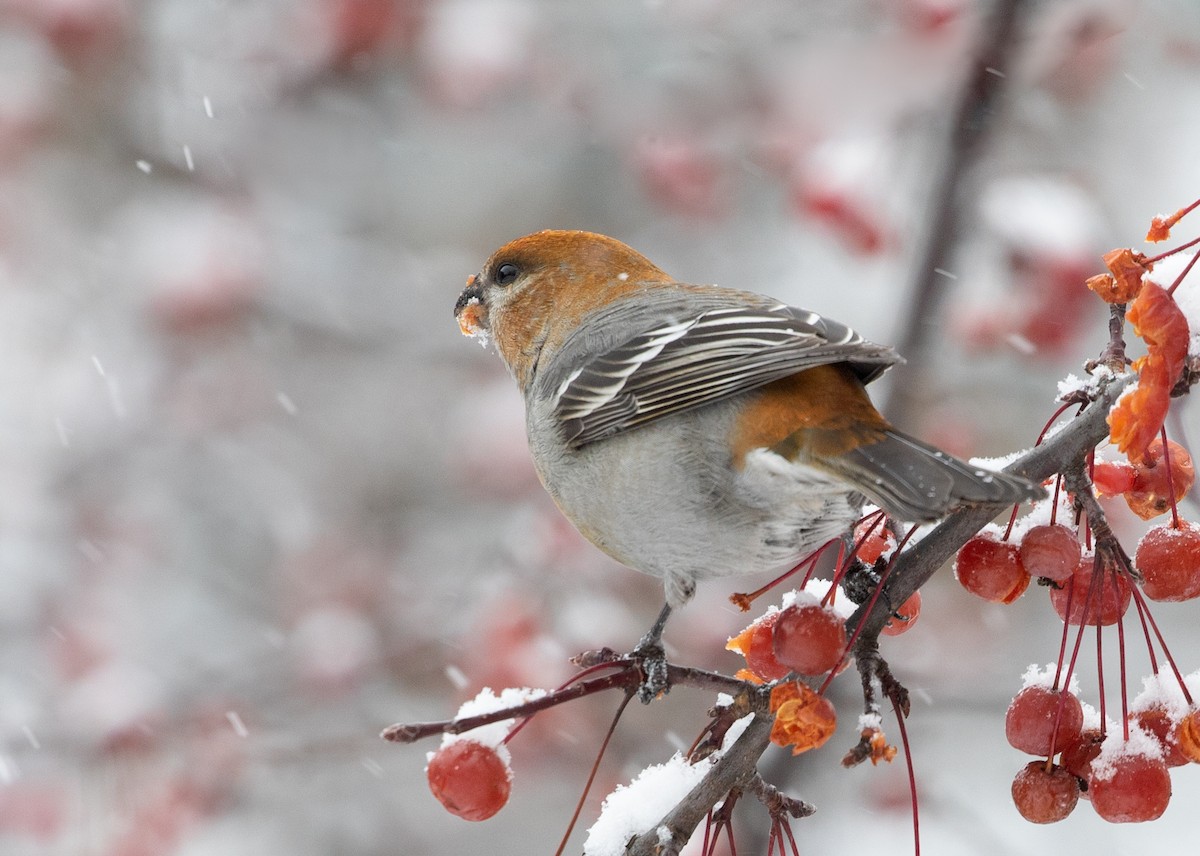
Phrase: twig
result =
(629, 675)
(972, 119)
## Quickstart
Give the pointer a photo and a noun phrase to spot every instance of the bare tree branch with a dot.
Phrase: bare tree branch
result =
(736, 768)
(969, 125)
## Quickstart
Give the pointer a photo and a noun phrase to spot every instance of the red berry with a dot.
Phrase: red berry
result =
(1150, 495)
(1130, 788)
(1157, 722)
(1112, 478)
(1111, 596)
(1030, 724)
(904, 617)
(1044, 795)
(1169, 561)
(1051, 552)
(471, 780)
(1078, 755)
(991, 569)
(810, 638)
(757, 644)
(874, 544)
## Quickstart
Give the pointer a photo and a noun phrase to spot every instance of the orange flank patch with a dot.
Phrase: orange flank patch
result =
(820, 412)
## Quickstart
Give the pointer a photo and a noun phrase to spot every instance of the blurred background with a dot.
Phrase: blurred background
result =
(259, 499)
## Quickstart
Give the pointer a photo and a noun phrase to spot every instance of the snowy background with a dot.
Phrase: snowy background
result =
(259, 498)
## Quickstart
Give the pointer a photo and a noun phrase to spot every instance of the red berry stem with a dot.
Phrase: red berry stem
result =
(1059, 679)
(1166, 453)
(1050, 422)
(1122, 665)
(1162, 643)
(840, 566)
(870, 606)
(1183, 273)
(1143, 611)
(1054, 503)
(873, 520)
(612, 728)
(1171, 252)
(1012, 518)
(1100, 681)
(912, 778)
(807, 564)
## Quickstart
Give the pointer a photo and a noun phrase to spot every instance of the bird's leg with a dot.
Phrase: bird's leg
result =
(653, 659)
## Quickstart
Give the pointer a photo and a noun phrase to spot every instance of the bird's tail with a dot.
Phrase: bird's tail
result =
(914, 481)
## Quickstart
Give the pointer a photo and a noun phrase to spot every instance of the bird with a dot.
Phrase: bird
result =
(696, 431)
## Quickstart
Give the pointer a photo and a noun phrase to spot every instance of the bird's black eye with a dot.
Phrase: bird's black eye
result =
(506, 274)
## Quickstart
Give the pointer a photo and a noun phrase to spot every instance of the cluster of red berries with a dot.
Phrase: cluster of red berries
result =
(808, 637)
(1123, 770)
(1124, 773)
(998, 567)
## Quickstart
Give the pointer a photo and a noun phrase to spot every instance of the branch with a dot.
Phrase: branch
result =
(973, 118)
(736, 769)
(916, 565)
(629, 675)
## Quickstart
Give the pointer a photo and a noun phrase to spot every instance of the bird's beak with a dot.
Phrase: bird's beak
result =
(470, 310)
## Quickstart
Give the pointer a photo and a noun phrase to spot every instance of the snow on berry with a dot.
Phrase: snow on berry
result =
(817, 591)
(1129, 781)
(470, 774)
(1045, 676)
(635, 808)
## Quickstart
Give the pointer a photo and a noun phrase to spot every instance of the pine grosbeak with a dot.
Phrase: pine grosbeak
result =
(692, 431)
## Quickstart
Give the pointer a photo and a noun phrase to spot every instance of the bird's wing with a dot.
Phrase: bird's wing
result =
(691, 352)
